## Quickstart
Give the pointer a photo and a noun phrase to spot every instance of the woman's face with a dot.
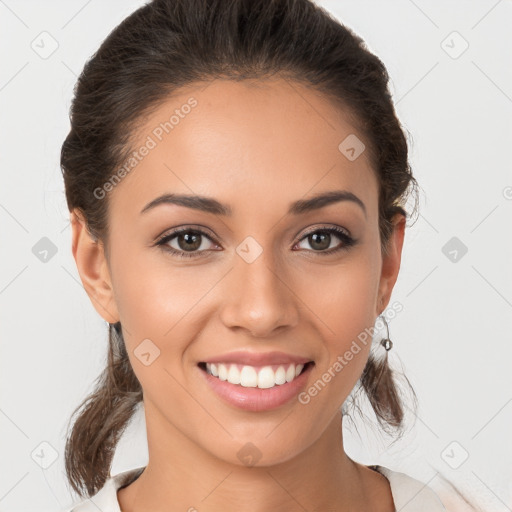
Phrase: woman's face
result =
(260, 277)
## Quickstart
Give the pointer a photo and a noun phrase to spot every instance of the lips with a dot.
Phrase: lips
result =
(258, 390)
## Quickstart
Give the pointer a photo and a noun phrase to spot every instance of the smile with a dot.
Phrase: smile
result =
(256, 388)
(262, 377)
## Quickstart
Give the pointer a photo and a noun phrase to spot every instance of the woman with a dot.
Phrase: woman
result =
(236, 177)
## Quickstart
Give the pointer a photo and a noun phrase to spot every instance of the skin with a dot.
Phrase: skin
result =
(257, 147)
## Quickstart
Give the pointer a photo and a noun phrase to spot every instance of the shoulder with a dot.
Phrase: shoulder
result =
(106, 498)
(410, 494)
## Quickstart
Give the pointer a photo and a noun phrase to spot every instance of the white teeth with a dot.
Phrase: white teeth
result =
(266, 378)
(290, 373)
(223, 372)
(233, 375)
(250, 377)
(280, 376)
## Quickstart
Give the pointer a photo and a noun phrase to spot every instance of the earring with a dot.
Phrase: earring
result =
(386, 342)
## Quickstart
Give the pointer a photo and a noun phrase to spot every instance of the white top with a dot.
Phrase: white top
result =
(409, 494)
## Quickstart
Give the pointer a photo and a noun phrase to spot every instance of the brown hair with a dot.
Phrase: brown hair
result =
(168, 44)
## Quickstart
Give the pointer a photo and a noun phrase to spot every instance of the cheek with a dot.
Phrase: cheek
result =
(138, 284)
(144, 295)
(342, 299)
(343, 296)
(159, 300)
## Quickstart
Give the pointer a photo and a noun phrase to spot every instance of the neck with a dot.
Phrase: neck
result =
(181, 476)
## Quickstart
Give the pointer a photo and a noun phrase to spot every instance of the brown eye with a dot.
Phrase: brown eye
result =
(190, 243)
(320, 240)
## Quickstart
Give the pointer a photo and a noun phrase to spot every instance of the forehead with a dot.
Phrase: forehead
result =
(246, 143)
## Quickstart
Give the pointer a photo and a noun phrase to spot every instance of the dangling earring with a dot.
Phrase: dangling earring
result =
(386, 342)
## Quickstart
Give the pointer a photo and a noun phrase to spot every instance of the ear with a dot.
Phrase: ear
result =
(391, 262)
(93, 269)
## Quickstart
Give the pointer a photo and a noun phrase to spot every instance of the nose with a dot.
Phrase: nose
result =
(259, 299)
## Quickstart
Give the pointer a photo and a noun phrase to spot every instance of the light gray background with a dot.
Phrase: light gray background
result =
(453, 336)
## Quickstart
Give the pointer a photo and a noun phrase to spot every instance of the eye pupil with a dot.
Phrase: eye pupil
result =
(189, 237)
(323, 236)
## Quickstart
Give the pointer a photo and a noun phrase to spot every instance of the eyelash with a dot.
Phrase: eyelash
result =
(347, 240)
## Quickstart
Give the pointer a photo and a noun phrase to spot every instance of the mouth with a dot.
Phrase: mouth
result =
(262, 377)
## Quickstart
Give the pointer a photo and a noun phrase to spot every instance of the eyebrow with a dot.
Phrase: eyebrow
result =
(210, 205)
